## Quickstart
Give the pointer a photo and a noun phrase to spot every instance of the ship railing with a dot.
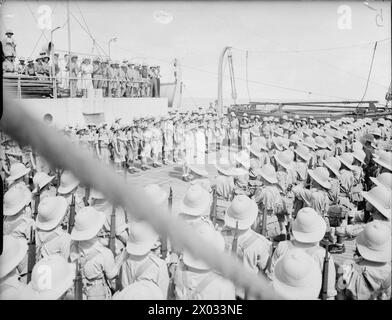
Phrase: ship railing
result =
(21, 85)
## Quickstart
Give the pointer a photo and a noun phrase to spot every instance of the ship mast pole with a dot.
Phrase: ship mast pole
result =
(220, 77)
(69, 31)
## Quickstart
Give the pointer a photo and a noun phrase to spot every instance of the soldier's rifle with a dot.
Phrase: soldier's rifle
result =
(164, 248)
(71, 220)
(31, 258)
(58, 173)
(213, 206)
(78, 282)
(112, 237)
(37, 197)
(234, 244)
(264, 224)
(324, 287)
(86, 196)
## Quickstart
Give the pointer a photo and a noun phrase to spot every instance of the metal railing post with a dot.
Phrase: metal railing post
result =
(19, 93)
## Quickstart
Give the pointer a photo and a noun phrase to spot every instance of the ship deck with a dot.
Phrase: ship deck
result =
(170, 176)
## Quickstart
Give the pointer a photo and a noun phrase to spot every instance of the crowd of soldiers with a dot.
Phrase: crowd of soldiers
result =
(86, 77)
(287, 194)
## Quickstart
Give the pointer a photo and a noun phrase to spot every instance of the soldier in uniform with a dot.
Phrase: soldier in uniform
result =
(224, 187)
(369, 277)
(308, 229)
(73, 75)
(14, 251)
(146, 146)
(102, 144)
(8, 64)
(97, 263)
(30, 69)
(50, 237)
(18, 220)
(62, 278)
(287, 178)
(105, 76)
(21, 67)
(252, 249)
(99, 203)
(133, 147)
(68, 187)
(270, 203)
(119, 147)
(44, 182)
(168, 131)
(194, 207)
(9, 43)
(297, 276)
(97, 74)
(156, 143)
(139, 262)
(123, 78)
(18, 176)
(194, 280)
(301, 164)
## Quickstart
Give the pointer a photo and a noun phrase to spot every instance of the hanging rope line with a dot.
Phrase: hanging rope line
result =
(62, 153)
(370, 72)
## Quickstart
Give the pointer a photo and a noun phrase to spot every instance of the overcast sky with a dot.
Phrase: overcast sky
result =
(296, 51)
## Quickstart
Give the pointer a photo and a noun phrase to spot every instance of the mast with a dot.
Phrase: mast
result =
(69, 31)
(220, 76)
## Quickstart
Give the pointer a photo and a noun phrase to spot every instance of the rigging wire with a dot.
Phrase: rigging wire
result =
(36, 44)
(327, 64)
(95, 42)
(247, 79)
(242, 79)
(370, 72)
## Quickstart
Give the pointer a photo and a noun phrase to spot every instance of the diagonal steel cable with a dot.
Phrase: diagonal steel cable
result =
(22, 126)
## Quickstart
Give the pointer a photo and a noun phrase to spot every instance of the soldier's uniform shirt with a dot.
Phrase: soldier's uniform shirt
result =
(315, 251)
(334, 191)
(270, 201)
(155, 139)
(55, 241)
(214, 287)
(10, 287)
(357, 186)
(315, 198)
(224, 186)
(30, 70)
(8, 66)
(79, 203)
(9, 46)
(19, 225)
(100, 265)
(302, 170)
(147, 136)
(369, 280)
(346, 181)
(322, 154)
(120, 224)
(156, 271)
(254, 256)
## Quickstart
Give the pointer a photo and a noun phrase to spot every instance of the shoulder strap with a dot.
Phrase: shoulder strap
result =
(253, 237)
(142, 268)
(13, 226)
(204, 283)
